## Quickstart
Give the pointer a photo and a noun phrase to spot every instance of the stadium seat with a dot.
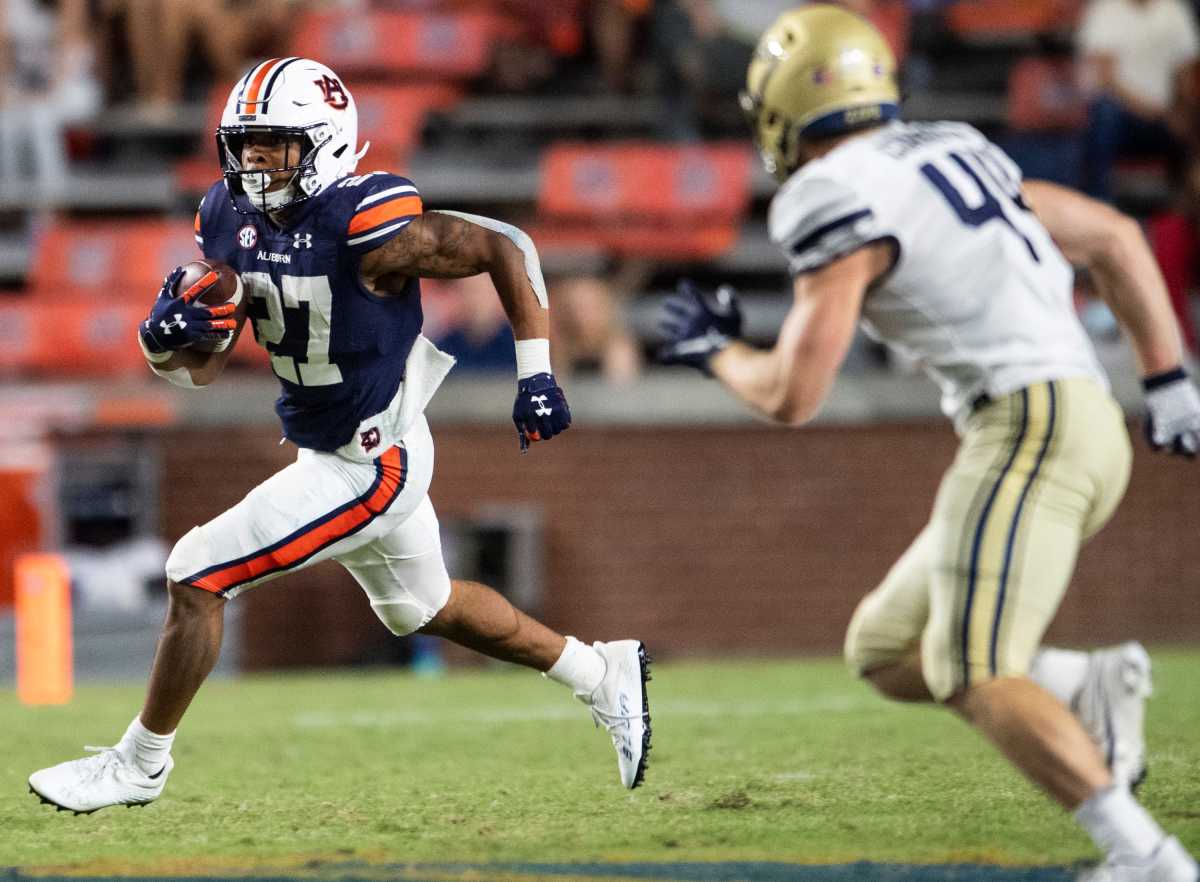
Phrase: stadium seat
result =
(643, 199)
(425, 45)
(118, 260)
(71, 338)
(393, 117)
(985, 20)
(894, 20)
(1044, 96)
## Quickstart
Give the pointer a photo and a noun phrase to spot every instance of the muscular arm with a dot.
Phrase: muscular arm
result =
(789, 382)
(443, 246)
(1114, 251)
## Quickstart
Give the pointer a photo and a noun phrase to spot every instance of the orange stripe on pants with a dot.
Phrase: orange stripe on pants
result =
(311, 541)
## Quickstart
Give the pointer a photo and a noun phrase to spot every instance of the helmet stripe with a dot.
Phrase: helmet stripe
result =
(256, 84)
(242, 88)
(266, 92)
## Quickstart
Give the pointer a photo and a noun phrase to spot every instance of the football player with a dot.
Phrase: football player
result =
(926, 235)
(329, 263)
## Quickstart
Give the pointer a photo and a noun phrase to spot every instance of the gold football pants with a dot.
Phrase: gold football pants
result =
(1038, 471)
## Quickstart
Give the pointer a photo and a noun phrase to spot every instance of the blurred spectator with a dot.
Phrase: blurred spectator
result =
(161, 33)
(1175, 237)
(1132, 51)
(703, 48)
(46, 84)
(614, 26)
(588, 330)
(466, 319)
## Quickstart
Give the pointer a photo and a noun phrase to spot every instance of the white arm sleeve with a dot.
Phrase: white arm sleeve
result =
(533, 265)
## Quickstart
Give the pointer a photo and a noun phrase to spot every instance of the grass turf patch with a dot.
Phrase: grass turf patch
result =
(767, 761)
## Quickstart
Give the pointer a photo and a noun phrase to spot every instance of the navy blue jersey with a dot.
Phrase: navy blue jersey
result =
(337, 349)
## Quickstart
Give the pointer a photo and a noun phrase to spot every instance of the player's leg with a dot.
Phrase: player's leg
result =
(319, 506)
(883, 640)
(404, 575)
(996, 589)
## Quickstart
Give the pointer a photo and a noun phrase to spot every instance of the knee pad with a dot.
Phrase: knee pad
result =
(404, 615)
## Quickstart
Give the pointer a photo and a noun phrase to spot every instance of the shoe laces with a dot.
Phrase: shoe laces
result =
(612, 721)
(99, 765)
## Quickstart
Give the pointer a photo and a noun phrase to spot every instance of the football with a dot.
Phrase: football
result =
(227, 287)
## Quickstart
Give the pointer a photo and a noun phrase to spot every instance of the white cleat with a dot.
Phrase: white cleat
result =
(95, 782)
(620, 705)
(1111, 704)
(1169, 863)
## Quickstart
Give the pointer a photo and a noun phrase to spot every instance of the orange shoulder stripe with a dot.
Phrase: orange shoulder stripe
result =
(373, 217)
(197, 222)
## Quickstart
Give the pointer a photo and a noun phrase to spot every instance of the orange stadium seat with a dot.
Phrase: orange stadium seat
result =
(119, 260)
(894, 20)
(983, 19)
(1044, 95)
(71, 337)
(392, 118)
(643, 199)
(428, 45)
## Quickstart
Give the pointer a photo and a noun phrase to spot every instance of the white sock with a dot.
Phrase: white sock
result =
(580, 668)
(1060, 672)
(1118, 825)
(145, 749)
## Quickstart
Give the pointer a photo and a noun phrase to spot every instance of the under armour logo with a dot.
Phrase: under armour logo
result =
(302, 240)
(540, 401)
(177, 322)
(369, 439)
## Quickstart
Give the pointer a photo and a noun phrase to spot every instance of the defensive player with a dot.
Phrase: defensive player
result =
(330, 263)
(926, 235)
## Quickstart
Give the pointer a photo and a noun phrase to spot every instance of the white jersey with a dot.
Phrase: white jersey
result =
(979, 295)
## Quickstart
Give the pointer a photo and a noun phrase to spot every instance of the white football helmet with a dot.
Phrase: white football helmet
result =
(289, 97)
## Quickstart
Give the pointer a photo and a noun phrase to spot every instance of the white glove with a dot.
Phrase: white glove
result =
(1173, 412)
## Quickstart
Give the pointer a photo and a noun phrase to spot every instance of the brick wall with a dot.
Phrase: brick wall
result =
(704, 541)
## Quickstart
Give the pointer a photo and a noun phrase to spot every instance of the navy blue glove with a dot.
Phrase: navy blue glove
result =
(540, 411)
(176, 322)
(696, 325)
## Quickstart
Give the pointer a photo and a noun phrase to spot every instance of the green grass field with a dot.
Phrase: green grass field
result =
(771, 761)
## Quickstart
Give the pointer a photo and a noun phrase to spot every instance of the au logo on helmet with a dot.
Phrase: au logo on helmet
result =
(335, 93)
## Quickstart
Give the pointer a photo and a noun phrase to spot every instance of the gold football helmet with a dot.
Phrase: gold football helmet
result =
(820, 70)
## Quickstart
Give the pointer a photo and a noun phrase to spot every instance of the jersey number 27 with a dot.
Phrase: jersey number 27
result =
(293, 325)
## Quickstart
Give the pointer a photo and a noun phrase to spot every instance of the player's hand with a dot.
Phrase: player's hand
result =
(697, 325)
(177, 321)
(540, 411)
(1172, 412)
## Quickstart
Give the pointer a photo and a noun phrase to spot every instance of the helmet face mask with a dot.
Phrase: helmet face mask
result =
(819, 71)
(287, 100)
(256, 184)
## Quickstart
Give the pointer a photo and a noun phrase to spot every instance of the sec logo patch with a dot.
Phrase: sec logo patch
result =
(247, 236)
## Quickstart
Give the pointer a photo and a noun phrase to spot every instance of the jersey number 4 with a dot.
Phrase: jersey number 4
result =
(293, 325)
(989, 196)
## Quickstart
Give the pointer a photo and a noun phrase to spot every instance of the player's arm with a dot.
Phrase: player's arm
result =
(453, 245)
(448, 245)
(1126, 276)
(789, 381)
(1123, 269)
